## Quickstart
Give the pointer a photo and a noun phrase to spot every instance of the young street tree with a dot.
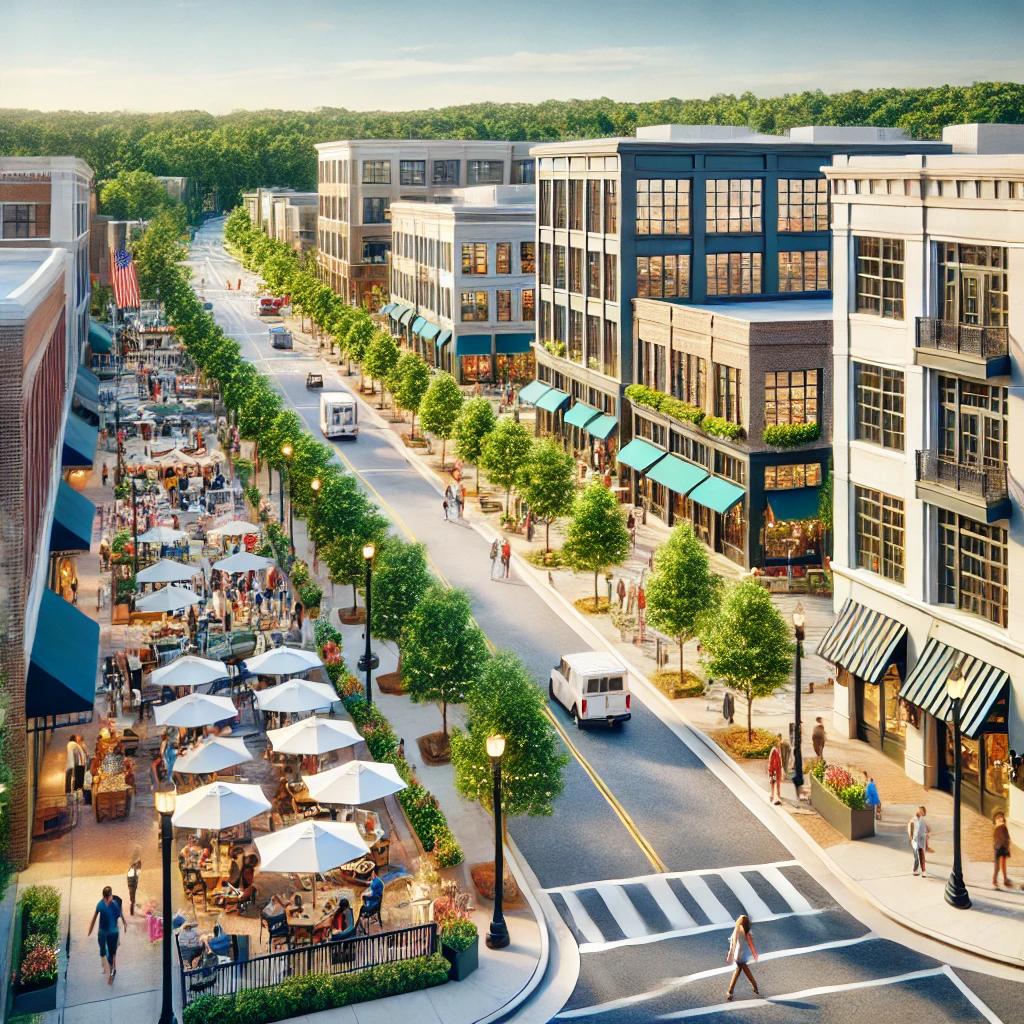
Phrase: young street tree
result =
(409, 384)
(400, 579)
(440, 408)
(475, 422)
(360, 334)
(681, 589)
(548, 484)
(380, 361)
(443, 651)
(746, 644)
(597, 537)
(505, 451)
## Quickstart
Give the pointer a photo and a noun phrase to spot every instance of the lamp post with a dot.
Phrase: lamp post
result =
(314, 486)
(956, 891)
(286, 451)
(369, 660)
(799, 620)
(135, 531)
(165, 800)
(497, 937)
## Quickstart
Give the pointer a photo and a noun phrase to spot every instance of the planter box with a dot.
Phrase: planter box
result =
(853, 824)
(119, 616)
(35, 1000)
(463, 963)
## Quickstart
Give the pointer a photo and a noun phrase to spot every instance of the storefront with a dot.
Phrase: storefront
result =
(792, 535)
(514, 361)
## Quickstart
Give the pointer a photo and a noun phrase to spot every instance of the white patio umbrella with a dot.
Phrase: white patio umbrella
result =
(235, 528)
(170, 599)
(219, 805)
(189, 670)
(194, 710)
(162, 535)
(358, 782)
(296, 695)
(176, 457)
(243, 562)
(282, 661)
(213, 755)
(314, 735)
(311, 847)
(167, 571)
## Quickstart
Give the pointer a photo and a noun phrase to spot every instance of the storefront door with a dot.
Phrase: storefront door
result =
(881, 719)
(984, 769)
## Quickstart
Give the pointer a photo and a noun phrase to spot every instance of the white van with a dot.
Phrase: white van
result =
(592, 687)
(339, 416)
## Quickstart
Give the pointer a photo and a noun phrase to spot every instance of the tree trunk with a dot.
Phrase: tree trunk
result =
(477, 468)
(444, 718)
(547, 536)
(355, 596)
(444, 450)
(682, 677)
(412, 428)
(381, 406)
(508, 498)
(750, 713)
(597, 599)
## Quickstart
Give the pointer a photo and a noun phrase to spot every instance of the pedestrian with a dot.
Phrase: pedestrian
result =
(631, 597)
(401, 748)
(918, 830)
(106, 474)
(871, 797)
(445, 506)
(461, 495)
(1001, 847)
(818, 737)
(775, 773)
(506, 558)
(134, 873)
(108, 912)
(621, 591)
(495, 551)
(786, 750)
(169, 748)
(75, 759)
(641, 610)
(741, 951)
(728, 707)
(631, 526)
(74, 590)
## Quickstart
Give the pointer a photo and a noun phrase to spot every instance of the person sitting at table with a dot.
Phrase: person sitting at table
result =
(343, 920)
(225, 892)
(296, 906)
(284, 803)
(376, 886)
(189, 856)
(219, 942)
(192, 944)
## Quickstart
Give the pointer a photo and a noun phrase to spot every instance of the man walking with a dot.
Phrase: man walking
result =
(495, 551)
(818, 737)
(919, 830)
(506, 558)
(108, 911)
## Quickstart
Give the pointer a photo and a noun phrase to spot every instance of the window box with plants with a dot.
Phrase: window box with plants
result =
(839, 799)
(35, 982)
(791, 435)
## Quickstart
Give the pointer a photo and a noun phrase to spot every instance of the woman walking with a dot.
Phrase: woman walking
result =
(1001, 846)
(775, 774)
(741, 951)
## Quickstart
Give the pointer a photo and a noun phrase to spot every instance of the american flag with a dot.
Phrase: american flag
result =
(126, 284)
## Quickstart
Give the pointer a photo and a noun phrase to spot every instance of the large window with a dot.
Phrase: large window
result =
(880, 408)
(26, 220)
(544, 213)
(503, 258)
(973, 426)
(974, 284)
(523, 172)
(803, 204)
(545, 263)
(784, 478)
(528, 313)
(545, 321)
(575, 348)
(880, 277)
(503, 297)
(805, 271)
(559, 266)
(474, 257)
(526, 262)
(376, 211)
(576, 204)
(376, 251)
(733, 205)
(611, 206)
(689, 378)
(973, 572)
(561, 215)
(791, 397)
(594, 275)
(412, 172)
(576, 270)
(594, 205)
(446, 172)
(376, 172)
(611, 277)
(485, 172)
(734, 273)
(610, 355)
(727, 404)
(474, 306)
(880, 533)
(662, 206)
(663, 277)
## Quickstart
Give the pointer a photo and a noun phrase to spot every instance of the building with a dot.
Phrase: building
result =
(462, 282)
(45, 202)
(293, 218)
(177, 187)
(928, 275)
(48, 649)
(360, 179)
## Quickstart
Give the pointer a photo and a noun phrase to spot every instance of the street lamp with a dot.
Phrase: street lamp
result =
(314, 486)
(369, 661)
(799, 620)
(165, 800)
(497, 937)
(286, 451)
(956, 891)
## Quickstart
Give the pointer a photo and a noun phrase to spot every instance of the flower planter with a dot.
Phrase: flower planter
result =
(852, 824)
(120, 615)
(35, 1000)
(463, 962)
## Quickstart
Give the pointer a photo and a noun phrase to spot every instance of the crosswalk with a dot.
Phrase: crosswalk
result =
(631, 911)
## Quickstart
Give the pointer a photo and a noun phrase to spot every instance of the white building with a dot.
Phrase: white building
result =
(928, 281)
(462, 281)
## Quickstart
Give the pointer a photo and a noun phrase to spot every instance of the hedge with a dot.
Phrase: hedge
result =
(791, 435)
(721, 428)
(659, 401)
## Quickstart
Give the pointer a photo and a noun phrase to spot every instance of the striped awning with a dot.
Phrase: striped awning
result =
(925, 687)
(862, 641)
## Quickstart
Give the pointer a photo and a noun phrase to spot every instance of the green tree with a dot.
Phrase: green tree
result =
(746, 644)
(548, 484)
(443, 650)
(475, 422)
(505, 451)
(597, 537)
(380, 361)
(343, 555)
(440, 408)
(400, 579)
(358, 338)
(682, 589)
(133, 195)
(409, 384)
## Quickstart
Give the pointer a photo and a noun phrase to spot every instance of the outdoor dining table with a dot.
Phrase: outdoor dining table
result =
(311, 916)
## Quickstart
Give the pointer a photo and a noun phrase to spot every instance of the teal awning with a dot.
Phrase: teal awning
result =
(428, 330)
(407, 316)
(533, 391)
(796, 503)
(387, 309)
(61, 677)
(87, 389)
(603, 427)
(580, 415)
(397, 310)
(473, 345)
(677, 474)
(417, 324)
(553, 400)
(79, 444)
(640, 455)
(73, 517)
(443, 338)
(717, 494)
(101, 341)
(513, 344)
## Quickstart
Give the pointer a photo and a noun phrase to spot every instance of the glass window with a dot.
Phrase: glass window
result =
(880, 277)
(611, 206)
(594, 205)
(880, 537)
(446, 172)
(26, 220)
(610, 356)
(663, 277)
(575, 336)
(559, 266)
(560, 320)
(526, 262)
(728, 393)
(871, 711)
(474, 306)
(376, 172)
(576, 204)
(376, 252)
(545, 263)
(523, 172)
(973, 567)
(805, 271)
(544, 214)
(895, 713)
(504, 301)
(803, 204)
(576, 270)
(733, 205)
(561, 215)
(997, 760)
(611, 277)
(784, 478)
(376, 211)
(474, 257)
(594, 275)
(970, 295)
(973, 425)
(485, 172)
(734, 273)
(528, 313)
(689, 378)
(879, 405)
(730, 467)
(662, 206)
(412, 172)
(503, 258)
(545, 321)
(791, 397)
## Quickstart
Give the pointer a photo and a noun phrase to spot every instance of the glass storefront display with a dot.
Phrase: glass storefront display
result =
(895, 712)
(792, 539)
(997, 760)
(871, 707)
(476, 369)
(734, 534)
(517, 370)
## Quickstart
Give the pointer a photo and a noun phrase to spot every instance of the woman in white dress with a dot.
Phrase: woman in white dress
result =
(741, 952)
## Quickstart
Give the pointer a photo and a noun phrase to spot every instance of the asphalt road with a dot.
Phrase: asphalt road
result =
(652, 936)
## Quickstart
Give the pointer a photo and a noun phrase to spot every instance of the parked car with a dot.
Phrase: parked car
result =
(593, 687)
(270, 306)
(280, 337)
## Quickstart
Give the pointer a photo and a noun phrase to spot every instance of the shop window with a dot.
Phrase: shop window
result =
(526, 261)
(504, 302)
(528, 314)
(783, 478)
(503, 257)
(997, 761)
(791, 397)
(895, 712)
(871, 708)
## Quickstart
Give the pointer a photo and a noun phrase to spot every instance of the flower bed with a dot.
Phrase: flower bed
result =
(719, 427)
(734, 741)
(791, 435)
(35, 989)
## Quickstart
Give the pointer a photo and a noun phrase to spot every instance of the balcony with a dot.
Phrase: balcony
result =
(979, 492)
(966, 349)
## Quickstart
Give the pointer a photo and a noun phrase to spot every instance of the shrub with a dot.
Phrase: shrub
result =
(840, 783)
(300, 574)
(124, 588)
(324, 632)
(40, 908)
(721, 428)
(735, 742)
(816, 766)
(791, 435)
(423, 812)
(640, 394)
(458, 934)
(837, 778)
(446, 848)
(38, 967)
(311, 594)
(121, 542)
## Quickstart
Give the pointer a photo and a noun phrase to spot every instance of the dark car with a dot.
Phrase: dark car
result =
(314, 380)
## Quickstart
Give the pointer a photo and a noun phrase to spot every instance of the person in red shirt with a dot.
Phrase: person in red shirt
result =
(506, 558)
(775, 774)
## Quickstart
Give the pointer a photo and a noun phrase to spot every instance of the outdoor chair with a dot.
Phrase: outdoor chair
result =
(277, 930)
(369, 911)
(193, 883)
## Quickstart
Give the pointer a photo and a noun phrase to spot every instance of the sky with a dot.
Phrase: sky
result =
(223, 55)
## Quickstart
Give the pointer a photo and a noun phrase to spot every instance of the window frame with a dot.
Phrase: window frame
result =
(804, 270)
(527, 257)
(370, 203)
(743, 206)
(474, 168)
(652, 206)
(407, 172)
(881, 421)
(878, 291)
(474, 259)
(730, 267)
(503, 305)
(876, 550)
(986, 596)
(820, 207)
(476, 302)
(379, 172)
(653, 276)
(502, 249)
(780, 395)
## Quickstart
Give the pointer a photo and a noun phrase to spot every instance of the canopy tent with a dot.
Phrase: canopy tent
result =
(243, 562)
(194, 711)
(357, 782)
(296, 695)
(219, 805)
(213, 755)
(236, 528)
(282, 661)
(314, 735)
(169, 599)
(61, 678)
(167, 571)
(189, 670)
(162, 535)
(73, 516)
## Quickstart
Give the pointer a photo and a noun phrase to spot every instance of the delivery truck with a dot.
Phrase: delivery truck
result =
(339, 417)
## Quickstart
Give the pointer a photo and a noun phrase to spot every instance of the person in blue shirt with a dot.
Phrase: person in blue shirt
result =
(871, 797)
(376, 886)
(108, 912)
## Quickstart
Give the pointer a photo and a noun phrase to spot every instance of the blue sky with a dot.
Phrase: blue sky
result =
(221, 55)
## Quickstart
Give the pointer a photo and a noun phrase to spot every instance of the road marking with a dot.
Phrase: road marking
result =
(622, 909)
(784, 886)
(753, 905)
(584, 922)
(772, 866)
(668, 903)
(708, 901)
(970, 996)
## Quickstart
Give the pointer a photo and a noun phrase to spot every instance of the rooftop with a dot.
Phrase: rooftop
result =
(25, 274)
(778, 311)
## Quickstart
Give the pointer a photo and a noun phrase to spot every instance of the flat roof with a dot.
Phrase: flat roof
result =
(16, 273)
(26, 275)
(780, 310)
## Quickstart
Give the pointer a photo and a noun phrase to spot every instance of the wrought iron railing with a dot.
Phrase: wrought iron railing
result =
(986, 482)
(962, 339)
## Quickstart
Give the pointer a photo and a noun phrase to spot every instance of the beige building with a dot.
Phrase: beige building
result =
(293, 218)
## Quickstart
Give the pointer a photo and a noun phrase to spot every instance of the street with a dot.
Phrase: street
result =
(650, 881)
